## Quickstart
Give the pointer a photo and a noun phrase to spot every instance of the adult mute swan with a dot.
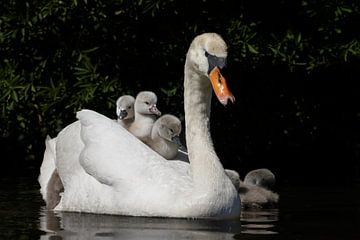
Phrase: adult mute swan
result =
(50, 182)
(108, 170)
(163, 134)
(125, 110)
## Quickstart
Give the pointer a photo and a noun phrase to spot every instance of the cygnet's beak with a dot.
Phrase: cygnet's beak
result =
(122, 114)
(153, 109)
(176, 139)
(220, 87)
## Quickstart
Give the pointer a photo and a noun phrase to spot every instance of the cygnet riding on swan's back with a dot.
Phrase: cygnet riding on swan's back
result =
(145, 115)
(163, 134)
(105, 169)
(125, 110)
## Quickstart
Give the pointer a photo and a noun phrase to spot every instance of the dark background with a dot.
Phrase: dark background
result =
(293, 68)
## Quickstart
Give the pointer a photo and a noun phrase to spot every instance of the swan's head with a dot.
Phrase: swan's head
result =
(125, 107)
(208, 52)
(145, 103)
(168, 127)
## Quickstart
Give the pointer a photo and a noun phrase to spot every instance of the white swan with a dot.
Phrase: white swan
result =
(47, 166)
(165, 130)
(125, 110)
(50, 182)
(101, 177)
(145, 115)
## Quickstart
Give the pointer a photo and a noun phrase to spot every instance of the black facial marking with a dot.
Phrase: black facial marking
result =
(123, 114)
(215, 61)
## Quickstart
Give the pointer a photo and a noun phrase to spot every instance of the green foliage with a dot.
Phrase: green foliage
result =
(61, 56)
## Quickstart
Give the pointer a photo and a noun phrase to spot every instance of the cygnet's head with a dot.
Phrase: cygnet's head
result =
(125, 107)
(145, 103)
(168, 127)
(208, 53)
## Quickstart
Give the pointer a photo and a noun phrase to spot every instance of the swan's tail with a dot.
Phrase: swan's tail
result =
(48, 166)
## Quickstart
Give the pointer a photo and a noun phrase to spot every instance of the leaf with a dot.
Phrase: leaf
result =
(252, 49)
(346, 9)
(298, 39)
(91, 50)
(15, 96)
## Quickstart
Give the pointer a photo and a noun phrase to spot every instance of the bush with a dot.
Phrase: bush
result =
(61, 56)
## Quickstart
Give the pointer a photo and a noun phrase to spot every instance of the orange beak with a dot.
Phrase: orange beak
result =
(220, 87)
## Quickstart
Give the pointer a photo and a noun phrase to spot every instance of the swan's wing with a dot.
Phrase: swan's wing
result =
(114, 156)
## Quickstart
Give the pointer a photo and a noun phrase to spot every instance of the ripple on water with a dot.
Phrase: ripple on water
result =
(259, 221)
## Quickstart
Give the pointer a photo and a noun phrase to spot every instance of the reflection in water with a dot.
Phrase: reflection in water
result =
(66, 225)
(259, 221)
(89, 226)
(328, 212)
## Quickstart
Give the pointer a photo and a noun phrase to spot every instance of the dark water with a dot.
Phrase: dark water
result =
(316, 212)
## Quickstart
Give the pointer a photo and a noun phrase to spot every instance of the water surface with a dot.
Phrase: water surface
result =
(306, 212)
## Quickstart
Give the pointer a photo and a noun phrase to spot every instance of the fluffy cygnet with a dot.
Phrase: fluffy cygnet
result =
(255, 190)
(260, 177)
(125, 110)
(253, 196)
(164, 136)
(145, 115)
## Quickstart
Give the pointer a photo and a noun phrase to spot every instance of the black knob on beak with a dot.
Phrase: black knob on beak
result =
(123, 113)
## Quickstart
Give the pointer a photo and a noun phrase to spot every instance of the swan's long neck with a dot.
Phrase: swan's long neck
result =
(207, 171)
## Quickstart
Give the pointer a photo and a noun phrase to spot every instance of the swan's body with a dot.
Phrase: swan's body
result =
(105, 169)
(125, 110)
(50, 182)
(145, 115)
(165, 129)
(47, 166)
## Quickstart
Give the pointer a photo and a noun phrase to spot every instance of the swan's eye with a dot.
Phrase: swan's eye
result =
(172, 131)
(129, 107)
(147, 103)
(206, 54)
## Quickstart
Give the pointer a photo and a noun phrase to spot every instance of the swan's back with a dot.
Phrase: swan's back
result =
(116, 165)
(119, 150)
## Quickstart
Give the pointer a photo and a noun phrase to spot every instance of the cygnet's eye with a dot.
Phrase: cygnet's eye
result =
(172, 131)
(129, 107)
(147, 103)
